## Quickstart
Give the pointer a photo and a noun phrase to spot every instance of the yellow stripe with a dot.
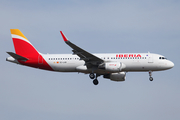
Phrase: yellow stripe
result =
(18, 32)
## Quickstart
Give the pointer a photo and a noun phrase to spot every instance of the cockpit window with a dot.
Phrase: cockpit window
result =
(162, 58)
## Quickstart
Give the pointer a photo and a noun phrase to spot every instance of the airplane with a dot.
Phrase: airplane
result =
(111, 66)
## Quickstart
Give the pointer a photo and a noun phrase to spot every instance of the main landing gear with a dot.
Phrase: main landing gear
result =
(150, 74)
(95, 82)
(92, 76)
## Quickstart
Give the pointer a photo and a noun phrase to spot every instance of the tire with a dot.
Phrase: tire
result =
(95, 82)
(91, 75)
(151, 78)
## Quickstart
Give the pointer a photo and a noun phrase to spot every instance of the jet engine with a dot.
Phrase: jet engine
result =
(112, 66)
(121, 76)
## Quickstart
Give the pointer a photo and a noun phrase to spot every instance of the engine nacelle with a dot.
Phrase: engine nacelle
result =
(121, 76)
(112, 66)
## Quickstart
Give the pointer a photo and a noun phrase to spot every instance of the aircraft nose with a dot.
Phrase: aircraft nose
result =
(170, 64)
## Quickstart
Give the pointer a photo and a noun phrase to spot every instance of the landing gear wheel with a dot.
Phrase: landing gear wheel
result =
(95, 81)
(150, 74)
(91, 75)
(151, 78)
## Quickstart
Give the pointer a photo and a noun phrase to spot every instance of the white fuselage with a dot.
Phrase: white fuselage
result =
(72, 63)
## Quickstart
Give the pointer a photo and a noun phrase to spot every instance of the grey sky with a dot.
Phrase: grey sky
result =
(98, 26)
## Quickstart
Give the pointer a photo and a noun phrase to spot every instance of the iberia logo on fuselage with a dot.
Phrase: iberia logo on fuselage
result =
(128, 55)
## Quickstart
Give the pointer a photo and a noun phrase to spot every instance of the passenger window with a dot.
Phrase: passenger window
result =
(159, 57)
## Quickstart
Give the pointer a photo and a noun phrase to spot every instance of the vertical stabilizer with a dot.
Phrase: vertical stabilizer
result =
(22, 45)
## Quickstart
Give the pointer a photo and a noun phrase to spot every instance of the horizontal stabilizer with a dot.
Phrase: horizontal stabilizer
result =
(17, 57)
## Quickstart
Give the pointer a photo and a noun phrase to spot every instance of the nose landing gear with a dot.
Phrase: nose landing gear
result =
(150, 74)
(151, 78)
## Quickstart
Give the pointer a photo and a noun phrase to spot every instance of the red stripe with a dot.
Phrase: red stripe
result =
(26, 50)
(34, 62)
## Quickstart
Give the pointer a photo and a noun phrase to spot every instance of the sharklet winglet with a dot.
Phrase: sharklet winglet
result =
(64, 37)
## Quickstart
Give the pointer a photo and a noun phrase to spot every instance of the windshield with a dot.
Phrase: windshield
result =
(162, 58)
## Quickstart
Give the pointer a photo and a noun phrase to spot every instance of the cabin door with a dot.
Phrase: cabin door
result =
(150, 58)
(40, 59)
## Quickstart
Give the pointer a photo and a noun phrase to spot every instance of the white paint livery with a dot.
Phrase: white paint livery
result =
(72, 63)
(20, 38)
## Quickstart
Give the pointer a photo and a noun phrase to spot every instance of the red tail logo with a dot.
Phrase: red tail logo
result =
(24, 48)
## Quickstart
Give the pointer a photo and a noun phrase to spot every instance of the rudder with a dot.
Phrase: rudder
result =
(22, 45)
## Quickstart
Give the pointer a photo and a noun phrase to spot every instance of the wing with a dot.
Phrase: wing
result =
(84, 55)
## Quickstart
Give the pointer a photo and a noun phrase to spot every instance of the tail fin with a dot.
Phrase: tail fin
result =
(22, 45)
(26, 54)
